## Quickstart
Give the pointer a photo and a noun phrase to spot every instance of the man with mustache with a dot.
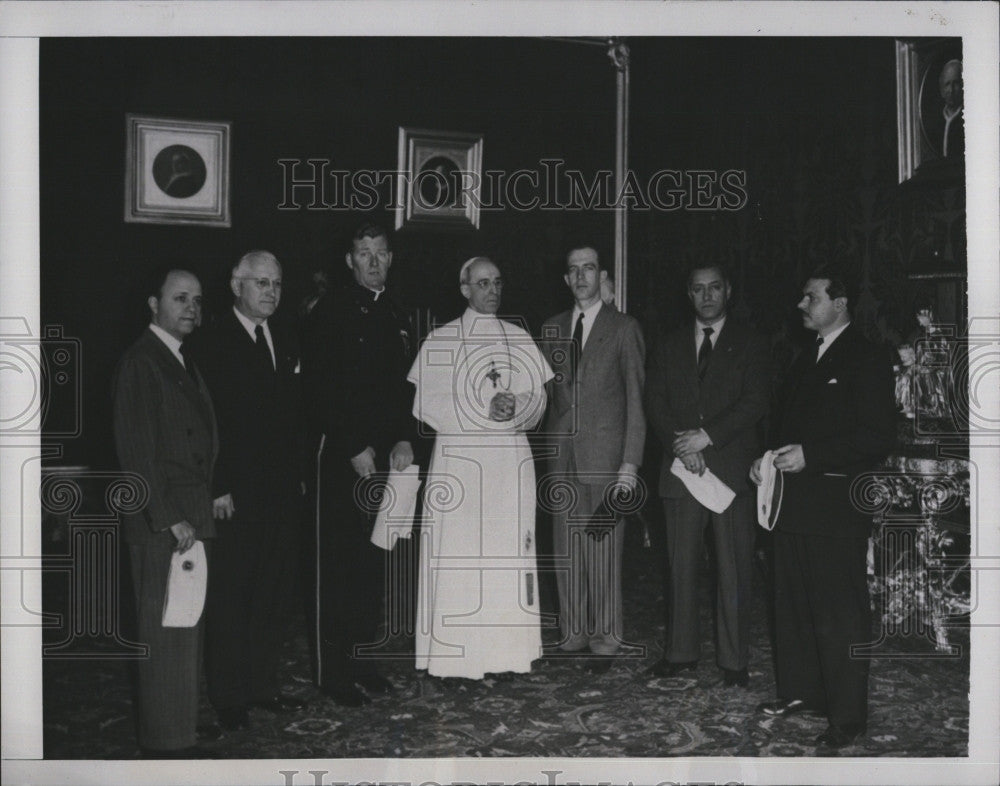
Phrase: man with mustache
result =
(835, 421)
(708, 390)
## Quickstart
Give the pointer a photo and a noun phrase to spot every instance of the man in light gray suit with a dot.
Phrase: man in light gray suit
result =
(598, 429)
(165, 432)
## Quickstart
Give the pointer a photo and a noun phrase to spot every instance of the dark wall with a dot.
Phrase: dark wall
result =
(336, 99)
(811, 123)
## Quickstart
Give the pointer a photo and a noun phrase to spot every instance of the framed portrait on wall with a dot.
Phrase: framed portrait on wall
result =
(440, 179)
(930, 104)
(176, 171)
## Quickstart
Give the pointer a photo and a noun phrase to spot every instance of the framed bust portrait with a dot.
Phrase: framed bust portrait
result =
(930, 103)
(440, 177)
(176, 171)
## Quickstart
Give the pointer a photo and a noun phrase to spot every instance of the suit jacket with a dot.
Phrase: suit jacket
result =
(356, 352)
(259, 413)
(729, 403)
(165, 431)
(842, 410)
(595, 411)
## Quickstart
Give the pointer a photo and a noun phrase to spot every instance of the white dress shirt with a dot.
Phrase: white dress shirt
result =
(250, 326)
(699, 333)
(828, 339)
(172, 343)
(589, 315)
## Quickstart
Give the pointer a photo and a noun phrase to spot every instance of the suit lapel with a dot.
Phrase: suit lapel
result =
(599, 332)
(687, 355)
(721, 352)
(174, 371)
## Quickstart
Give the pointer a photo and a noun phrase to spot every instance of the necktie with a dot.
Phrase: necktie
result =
(262, 348)
(816, 346)
(189, 364)
(578, 332)
(704, 352)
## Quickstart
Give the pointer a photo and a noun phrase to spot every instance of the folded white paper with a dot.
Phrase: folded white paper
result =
(186, 584)
(399, 503)
(707, 488)
(769, 492)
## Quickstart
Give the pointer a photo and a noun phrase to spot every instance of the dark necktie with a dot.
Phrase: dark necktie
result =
(262, 349)
(189, 364)
(704, 351)
(815, 349)
(578, 333)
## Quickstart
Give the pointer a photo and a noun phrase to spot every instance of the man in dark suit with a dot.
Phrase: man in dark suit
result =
(836, 420)
(596, 419)
(356, 354)
(165, 431)
(251, 368)
(708, 390)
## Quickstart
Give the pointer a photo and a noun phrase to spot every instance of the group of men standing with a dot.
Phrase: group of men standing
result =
(219, 434)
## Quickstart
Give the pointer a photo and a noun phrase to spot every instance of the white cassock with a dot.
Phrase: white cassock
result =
(478, 607)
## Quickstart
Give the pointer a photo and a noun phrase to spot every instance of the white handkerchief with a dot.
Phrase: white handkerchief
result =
(707, 489)
(186, 584)
(399, 503)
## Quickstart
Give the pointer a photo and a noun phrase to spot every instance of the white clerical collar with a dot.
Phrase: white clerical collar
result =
(249, 325)
(829, 338)
(376, 292)
(173, 344)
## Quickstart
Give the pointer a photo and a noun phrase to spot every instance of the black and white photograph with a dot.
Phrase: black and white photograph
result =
(520, 398)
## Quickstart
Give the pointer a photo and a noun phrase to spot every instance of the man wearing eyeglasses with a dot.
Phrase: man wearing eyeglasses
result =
(480, 384)
(596, 419)
(251, 368)
(356, 350)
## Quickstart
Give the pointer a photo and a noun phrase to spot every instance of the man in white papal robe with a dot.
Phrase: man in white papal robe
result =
(480, 385)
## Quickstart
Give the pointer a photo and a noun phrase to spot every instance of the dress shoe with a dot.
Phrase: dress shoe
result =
(208, 732)
(233, 718)
(345, 695)
(375, 684)
(664, 668)
(739, 677)
(282, 702)
(192, 752)
(840, 736)
(782, 708)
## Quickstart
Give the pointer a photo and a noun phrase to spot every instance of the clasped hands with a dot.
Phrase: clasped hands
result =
(502, 406)
(687, 446)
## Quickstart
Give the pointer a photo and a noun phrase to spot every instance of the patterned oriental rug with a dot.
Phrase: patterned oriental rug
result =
(918, 700)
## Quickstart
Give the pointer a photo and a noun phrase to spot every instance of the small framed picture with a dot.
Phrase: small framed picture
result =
(176, 171)
(930, 108)
(439, 179)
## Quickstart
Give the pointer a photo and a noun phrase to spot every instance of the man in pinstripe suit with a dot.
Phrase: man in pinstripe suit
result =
(165, 431)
